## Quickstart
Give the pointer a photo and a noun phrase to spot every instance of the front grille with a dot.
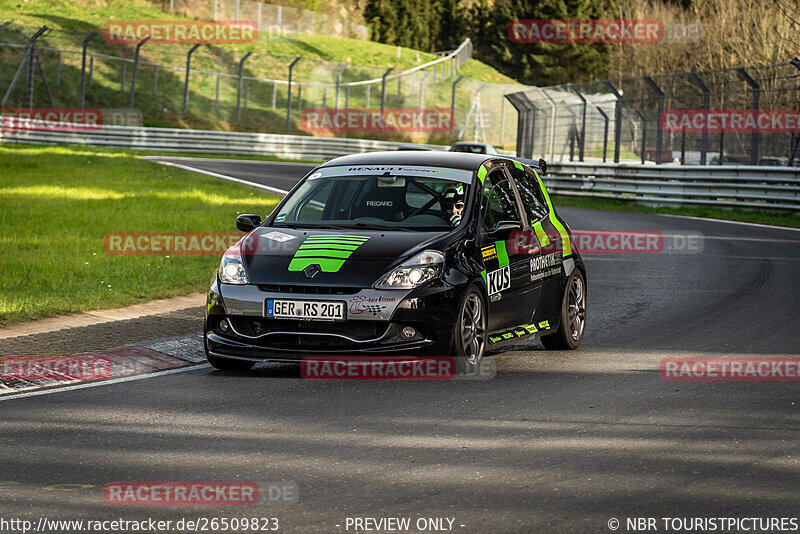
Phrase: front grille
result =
(359, 330)
(309, 290)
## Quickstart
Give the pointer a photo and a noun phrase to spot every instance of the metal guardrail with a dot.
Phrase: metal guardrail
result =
(739, 186)
(724, 185)
(205, 141)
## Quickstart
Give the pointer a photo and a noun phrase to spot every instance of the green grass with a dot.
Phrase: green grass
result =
(57, 204)
(771, 217)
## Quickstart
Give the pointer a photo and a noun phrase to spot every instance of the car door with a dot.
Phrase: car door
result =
(506, 270)
(546, 244)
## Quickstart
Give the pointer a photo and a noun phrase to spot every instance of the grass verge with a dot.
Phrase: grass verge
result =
(57, 204)
(771, 217)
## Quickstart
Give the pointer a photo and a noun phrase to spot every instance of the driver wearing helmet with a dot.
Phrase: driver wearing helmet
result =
(453, 204)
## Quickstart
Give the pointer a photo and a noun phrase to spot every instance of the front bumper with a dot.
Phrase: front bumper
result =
(374, 323)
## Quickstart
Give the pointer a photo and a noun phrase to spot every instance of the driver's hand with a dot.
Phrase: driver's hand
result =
(455, 219)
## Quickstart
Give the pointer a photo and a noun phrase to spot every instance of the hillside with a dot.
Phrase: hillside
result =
(321, 57)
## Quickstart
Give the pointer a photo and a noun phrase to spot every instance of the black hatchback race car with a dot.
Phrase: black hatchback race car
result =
(399, 253)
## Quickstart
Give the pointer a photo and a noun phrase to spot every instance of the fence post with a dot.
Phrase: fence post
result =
(453, 103)
(239, 86)
(274, 94)
(339, 83)
(617, 119)
(366, 96)
(216, 92)
(383, 92)
(605, 133)
(695, 79)
(422, 89)
(155, 79)
(347, 97)
(188, 70)
(136, 70)
(581, 147)
(756, 89)
(289, 87)
(659, 133)
(644, 134)
(83, 68)
(553, 117)
(793, 146)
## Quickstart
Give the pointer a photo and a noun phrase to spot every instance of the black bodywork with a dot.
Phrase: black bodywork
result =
(376, 318)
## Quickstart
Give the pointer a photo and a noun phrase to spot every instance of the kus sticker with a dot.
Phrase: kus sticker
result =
(499, 280)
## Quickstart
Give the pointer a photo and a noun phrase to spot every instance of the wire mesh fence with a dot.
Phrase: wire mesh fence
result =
(243, 88)
(747, 115)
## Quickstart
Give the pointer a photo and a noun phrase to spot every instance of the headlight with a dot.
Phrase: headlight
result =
(413, 272)
(231, 268)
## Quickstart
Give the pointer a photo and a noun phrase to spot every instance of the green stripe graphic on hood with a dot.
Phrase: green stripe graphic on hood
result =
(327, 251)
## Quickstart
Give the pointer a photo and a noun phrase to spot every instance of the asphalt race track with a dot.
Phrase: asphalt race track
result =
(556, 442)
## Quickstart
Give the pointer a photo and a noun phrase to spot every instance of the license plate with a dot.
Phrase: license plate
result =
(317, 310)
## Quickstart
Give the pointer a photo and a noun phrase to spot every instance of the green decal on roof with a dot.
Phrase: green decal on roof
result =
(565, 243)
(518, 165)
(327, 251)
(481, 173)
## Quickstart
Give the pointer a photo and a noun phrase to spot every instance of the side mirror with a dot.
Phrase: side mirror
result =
(543, 166)
(503, 229)
(247, 222)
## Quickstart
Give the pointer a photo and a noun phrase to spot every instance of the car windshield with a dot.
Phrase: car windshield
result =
(419, 199)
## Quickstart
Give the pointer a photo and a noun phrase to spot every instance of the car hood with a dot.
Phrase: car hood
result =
(344, 258)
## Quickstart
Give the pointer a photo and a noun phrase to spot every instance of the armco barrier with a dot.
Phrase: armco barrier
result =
(741, 186)
(671, 185)
(205, 141)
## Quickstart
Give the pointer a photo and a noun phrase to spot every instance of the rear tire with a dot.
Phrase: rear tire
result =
(228, 364)
(469, 337)
(572, 323)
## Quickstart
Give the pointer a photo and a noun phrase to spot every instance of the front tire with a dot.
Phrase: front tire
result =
(572, 324)
(470, 332)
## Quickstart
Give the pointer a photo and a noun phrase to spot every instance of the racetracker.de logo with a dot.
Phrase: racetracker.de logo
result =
(388, 368)
(199, 493)
(730, 121)
(180, 31)
(730, 369)
(51, 119)
(56, 368)
(369, 120)
(173, 243)
(585, 31)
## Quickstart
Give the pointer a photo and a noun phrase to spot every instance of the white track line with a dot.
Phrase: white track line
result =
(223, 160)
(731, 222)
(60, 389)
(224, 177)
